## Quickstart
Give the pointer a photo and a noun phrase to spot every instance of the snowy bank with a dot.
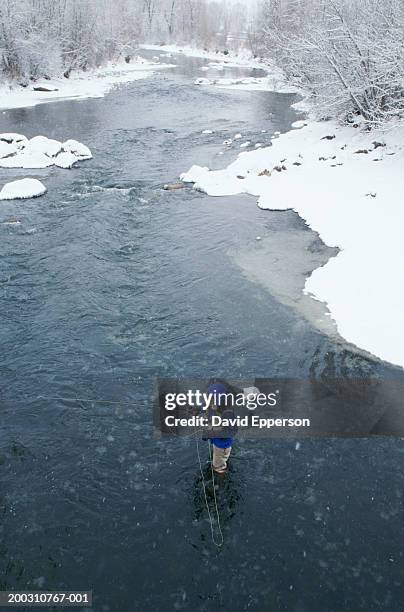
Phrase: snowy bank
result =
(347, 185)
(273, 82)
(22, 189)
(16, 151)
(231, 60)
(80, 85)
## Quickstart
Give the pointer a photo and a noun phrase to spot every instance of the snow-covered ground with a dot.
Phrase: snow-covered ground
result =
(347, 185)
(80, 85)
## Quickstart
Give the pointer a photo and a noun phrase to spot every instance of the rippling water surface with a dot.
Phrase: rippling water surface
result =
(109, 281)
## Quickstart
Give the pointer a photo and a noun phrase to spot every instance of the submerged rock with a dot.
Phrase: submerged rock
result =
(12, 222)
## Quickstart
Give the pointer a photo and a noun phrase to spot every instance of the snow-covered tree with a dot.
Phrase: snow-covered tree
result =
(47, 37)
(348, 53)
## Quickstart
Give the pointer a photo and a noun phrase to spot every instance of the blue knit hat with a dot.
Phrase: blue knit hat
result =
(218, 390)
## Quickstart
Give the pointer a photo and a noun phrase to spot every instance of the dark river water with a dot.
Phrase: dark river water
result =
(108, 282)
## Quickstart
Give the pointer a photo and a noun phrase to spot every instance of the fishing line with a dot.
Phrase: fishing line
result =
(82, 399)
(218, 543)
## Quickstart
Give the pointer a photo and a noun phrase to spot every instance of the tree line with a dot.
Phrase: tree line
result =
(347, 54)
(52, 37)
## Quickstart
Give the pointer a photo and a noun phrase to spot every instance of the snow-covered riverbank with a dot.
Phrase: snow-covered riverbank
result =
(242, 58)
(274, 80)
(347, 185)
(80, 85)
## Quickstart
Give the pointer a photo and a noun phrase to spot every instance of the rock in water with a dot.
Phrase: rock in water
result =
(65, 160)
(22, 189)
(29, 159)
(77, 148)
(7, 149)
(42, 144)
(13, 137)
(16, 151)
(173, 186)
(203, 82)
(44, 88)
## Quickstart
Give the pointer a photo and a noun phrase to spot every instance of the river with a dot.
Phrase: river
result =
(110, 281)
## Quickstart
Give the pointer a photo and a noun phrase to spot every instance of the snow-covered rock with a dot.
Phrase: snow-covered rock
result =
(65, 160)
(237, 136)
(45, 88)
(12, 137)
(207, 132)
(202, 81)
(29, 159)
(7, 149)
(22, 189)
(16, 151)
(245, 144)
(77, 148)
(299, 124)
(42, 144)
